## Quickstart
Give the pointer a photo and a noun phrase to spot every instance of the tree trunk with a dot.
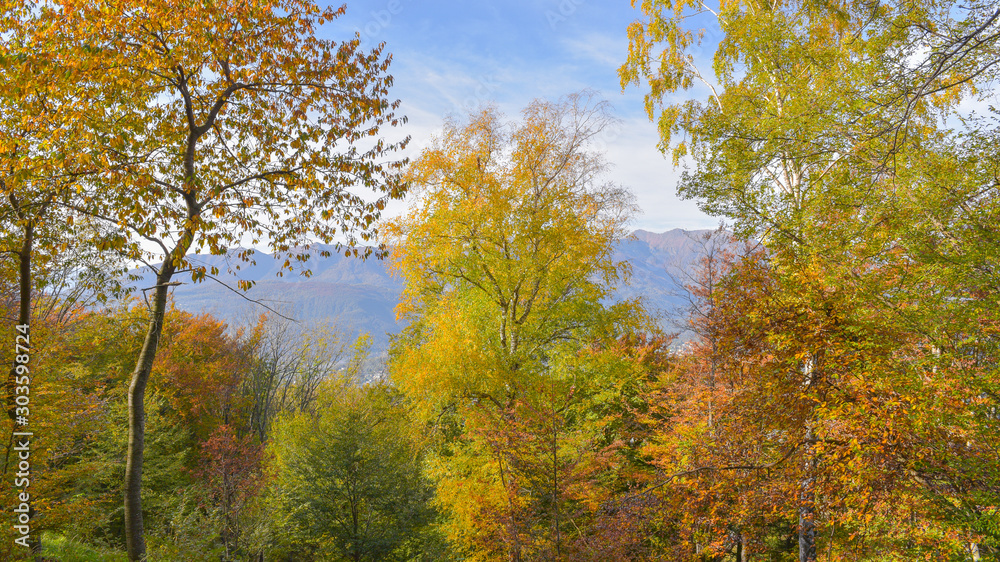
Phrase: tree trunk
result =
(134, 541)
(555, 484)
(23, 319)
(807, 486)
(24, 310)
(807, 507)
(514, 555)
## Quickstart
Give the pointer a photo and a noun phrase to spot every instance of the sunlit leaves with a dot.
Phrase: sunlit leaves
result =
(821, 131)
(507, 260)
(250, 125)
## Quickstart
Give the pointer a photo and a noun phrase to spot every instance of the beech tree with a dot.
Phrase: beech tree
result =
(44, 254)
(252, 131)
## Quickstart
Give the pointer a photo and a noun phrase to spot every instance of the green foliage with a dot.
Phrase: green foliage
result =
(66, 549)
(184, 530)
(85, 416)
(348, 482)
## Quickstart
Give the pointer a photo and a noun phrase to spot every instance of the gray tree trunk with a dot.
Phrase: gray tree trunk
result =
(135, 543)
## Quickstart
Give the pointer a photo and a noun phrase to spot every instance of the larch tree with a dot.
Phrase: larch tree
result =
(251, 131)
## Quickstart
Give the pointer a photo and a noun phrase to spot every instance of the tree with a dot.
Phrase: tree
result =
(286, 366)
(348, 477)
(200, 369)
(40, 167)
(252, 131)
(818, 125)
(948, 295)
(798, 95)
(45, 152)
(80, 465)
(230, 469)
(507, 262)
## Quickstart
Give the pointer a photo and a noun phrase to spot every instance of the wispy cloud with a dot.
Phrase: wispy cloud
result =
(452, 56)
(605, 50)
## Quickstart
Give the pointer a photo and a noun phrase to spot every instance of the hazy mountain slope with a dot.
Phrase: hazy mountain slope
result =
(659, 264)
(358, 295)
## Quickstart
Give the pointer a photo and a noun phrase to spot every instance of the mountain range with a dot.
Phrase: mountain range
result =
(361, 295)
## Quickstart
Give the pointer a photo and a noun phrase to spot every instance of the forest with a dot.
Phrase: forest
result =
(833, 394)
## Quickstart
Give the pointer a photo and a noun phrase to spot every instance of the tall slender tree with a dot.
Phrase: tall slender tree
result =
(251, 130)
(41, 165)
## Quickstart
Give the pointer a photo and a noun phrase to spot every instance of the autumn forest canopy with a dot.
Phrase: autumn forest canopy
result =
(834, 396)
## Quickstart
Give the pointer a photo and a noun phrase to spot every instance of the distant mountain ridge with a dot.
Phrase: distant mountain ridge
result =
(356, 295)
(659, 262)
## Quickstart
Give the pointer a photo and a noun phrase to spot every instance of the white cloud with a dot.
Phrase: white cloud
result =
(639, 165)
(606, 49)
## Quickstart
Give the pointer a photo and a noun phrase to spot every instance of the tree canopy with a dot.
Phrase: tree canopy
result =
(507, 258)
(210, 127)
(835, 135)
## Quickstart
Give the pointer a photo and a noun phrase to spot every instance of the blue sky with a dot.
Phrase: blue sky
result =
(449, 56)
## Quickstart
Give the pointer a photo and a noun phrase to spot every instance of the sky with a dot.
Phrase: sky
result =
(452, 56)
